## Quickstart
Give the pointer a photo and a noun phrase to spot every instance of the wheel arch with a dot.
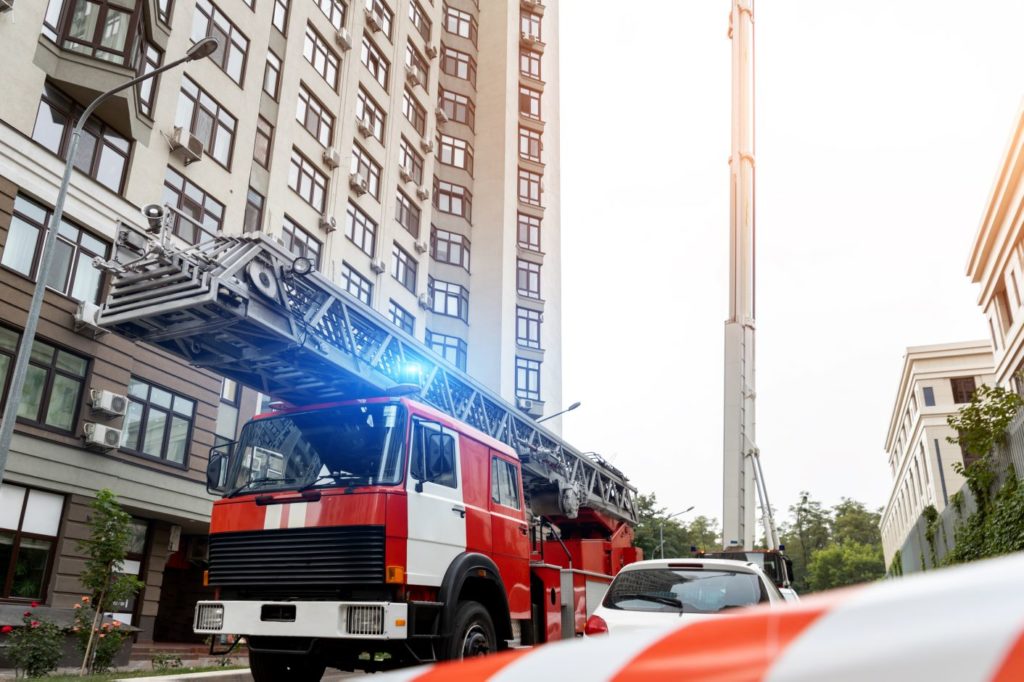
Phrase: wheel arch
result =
(475, 577)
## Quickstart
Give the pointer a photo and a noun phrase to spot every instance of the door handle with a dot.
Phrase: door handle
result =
(461, 511)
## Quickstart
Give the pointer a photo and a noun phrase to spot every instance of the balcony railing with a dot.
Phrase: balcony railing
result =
(100, 29)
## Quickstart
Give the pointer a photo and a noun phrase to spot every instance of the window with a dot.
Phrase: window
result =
(307, 180)
(383, 14)
(403, 268)
(158, 422)
(529, 144)
(529, 187)
(71, 272)
(334, 10)
(199, 214)
(356, 284)
(530, 25)
(164, 10)
(529, 232)
(410, 161)
(529, 63)
(458, 64)
(207, 120)
(375, 63)
(415, 62)
(456, 152)
(314, 117)
(361, 230)
(452, 198)
(407, 214)
(928, 393)
(253, 220)
(300, 242)
(448, 298)
(149, 60)
(433, 450)
(529, 102)
(419, 19)
(414, 112)
(323, 58)
(368, 168)
(230, 56)
(102, 152)
(264, 142)
(401, 317)
(504, 483)
(528, 327)
(272, 75)
(451, 348)
(528, 278)
(527, 379)
(370, 113)
(458, 108)
(280, 19)
(460, 23)
(448, 247)
(963, 389)
(29, 524)
(53, 385)
(100, 29)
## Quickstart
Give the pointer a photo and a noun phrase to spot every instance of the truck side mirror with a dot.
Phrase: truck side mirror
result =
(217, 469)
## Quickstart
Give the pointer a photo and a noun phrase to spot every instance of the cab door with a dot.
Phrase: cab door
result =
(510, 531)
(437, 514)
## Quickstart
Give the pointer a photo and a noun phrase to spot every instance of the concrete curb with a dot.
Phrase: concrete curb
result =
(239, 675)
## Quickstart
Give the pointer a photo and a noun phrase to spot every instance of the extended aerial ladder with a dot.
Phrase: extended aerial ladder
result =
(244, 307)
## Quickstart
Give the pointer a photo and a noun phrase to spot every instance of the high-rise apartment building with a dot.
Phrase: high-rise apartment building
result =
(409, 147)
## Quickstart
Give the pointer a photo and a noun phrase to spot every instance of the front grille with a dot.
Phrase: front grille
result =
(299, 557)
(366, 620)
(209, 617)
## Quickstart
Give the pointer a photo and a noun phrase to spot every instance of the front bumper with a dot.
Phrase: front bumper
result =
(327, 619)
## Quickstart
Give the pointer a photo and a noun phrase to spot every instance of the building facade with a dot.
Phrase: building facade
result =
(408, 147)
(935, 383)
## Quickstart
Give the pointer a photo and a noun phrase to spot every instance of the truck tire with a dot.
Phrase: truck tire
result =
(472, 632)
(292, 667)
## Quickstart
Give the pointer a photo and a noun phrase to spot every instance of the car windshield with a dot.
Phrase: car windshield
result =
(690, 590)
(355, 445)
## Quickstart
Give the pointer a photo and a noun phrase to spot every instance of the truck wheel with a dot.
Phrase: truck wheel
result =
(275, 667)
(472, 632)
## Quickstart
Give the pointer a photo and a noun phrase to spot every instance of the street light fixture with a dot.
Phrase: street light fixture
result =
(203, 48)
(661, 528)
(552, 416)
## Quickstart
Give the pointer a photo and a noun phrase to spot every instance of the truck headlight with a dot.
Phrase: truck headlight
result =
(209, 617)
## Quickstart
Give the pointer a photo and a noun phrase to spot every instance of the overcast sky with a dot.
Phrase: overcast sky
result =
(880, 126)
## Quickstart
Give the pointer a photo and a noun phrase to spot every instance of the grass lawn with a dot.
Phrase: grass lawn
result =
(107, 677)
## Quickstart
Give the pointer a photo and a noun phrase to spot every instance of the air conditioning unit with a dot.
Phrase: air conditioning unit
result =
(344, 39)
(358, 183)
(328, 223)
(423, 193)
(425, 301)
(530, 38)
(431, 51)
(332, 158)
(442, 117)
(365, 129)
(378, 266)
(373, 22)
(421, 247)
(188, 145)
(100, 436)
(534, 408)
(108, 402)
(405, 174)
(6, 5)
(412, 75)
(427, 145)
(85, 319)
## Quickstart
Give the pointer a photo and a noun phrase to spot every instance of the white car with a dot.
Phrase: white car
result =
(666, 591)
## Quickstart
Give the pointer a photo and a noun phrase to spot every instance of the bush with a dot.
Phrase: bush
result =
(166, 662)
(36, 647)
(108, 640)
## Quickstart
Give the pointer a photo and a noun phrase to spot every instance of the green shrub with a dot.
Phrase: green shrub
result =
(36, 647)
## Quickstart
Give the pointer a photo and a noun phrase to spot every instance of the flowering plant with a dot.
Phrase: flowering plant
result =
(36, 647)
(108, 638)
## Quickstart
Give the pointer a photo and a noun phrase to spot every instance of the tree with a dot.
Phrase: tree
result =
(808, 530)
(702, 532)
(110, 534)
(852, 522)
(845, 564)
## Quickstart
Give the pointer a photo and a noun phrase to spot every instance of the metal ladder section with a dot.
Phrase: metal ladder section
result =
(234, 305)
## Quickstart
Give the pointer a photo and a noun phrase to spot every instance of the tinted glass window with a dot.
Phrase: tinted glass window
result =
(690, 590)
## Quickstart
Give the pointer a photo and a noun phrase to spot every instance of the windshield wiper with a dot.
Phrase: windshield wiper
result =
(667, 601)
(336, 476)
(263, 479)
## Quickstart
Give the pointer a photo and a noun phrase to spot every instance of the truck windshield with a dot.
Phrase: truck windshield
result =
(355, 445)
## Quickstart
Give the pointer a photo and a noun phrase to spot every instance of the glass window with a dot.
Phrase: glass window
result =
(158, 423)
(253, 220)
(963, 389)
(401, 317)
(410, 161)
(458, 64)
(300, 242)
(163, 10)
(383, 15)
(414, 112)
(530, 187)
(324, 60)
(529, 102)
(527, 379)
(684, 590)
(370, 113)
(449, 247)
(374, 61)
(200, 114)
(455, 152)
(458, 108)
(407, 213)
(529, 25)
(451, 348)
(198, 214)
(307, 180)
(29, 524)
(453, 199)
(368, 168)
(100, 29)
(53, 386)
(334, 10)
(361, 230)
(528, 278)
(71, 272)
(230, 56)
(314, 116)
(272, 75)
(419, 20)
(529, 63)
(528, 327)
(356, 284)
(504, 483)
(529, 144)
(448, 298)
(417, 65)
(529, 232)
(460, 23)
(264, 142)
(102, 152)
(929, 396)
(403, 268)
(280, 17)
(149, 60)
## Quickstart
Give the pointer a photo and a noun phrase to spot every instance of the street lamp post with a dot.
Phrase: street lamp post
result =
(661, 529)
(552, 416)
(203, 48)
(800, 529)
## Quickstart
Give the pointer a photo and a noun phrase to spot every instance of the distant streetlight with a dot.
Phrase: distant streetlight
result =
(800, 528)
(552, 416)
(203, 48)
(661, 529)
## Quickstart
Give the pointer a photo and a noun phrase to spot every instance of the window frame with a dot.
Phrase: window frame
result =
(227, 39)
(408, 211)
(384, 15)
(372, 57)
(528, 273)
(147, 90)
(418, 63)
(301, 241)
(316, 49)
(957, 385)
(256, 210)
(264, 130)
(367, 107)
(464, 198)
(404, 268)
(335, 8)
(208, 200)
(401, 318)
(308, 104)
(530, 138)
(302, 168)
(458, 64)
(218, 125)
(530, 187)
(359, 223)
(463, 112)
(367, 166)
(462, 21)
(448, 148)
(531, 226)
(279, 16)
(528, 370)
(414, 112)
(530, 96)
(18, 534)
(513, 473)
(410, 160)
(441, 344)
(530, 64)
(451, 292)
(439, 236)
(170, 414)
(363, 285)
(528, 327)
(273, 65)
(420, 20)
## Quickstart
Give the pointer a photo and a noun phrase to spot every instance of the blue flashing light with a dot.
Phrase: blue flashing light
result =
(411, 372)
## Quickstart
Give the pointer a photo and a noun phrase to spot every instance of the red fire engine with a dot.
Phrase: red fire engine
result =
(390, 521)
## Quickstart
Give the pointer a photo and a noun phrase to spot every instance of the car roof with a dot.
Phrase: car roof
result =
(694, 562)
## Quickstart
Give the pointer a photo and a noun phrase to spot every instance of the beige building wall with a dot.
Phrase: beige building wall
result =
(935, 382)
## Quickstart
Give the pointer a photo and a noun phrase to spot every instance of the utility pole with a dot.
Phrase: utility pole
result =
(738, 515)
